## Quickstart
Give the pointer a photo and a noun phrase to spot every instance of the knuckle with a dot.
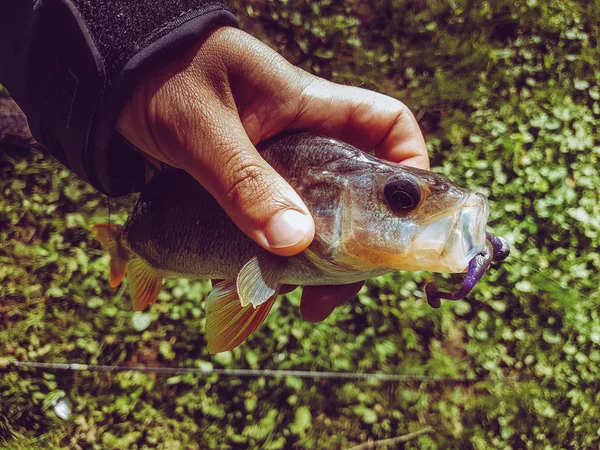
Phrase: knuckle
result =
(402, 111)
(248, 182)
(404, 118)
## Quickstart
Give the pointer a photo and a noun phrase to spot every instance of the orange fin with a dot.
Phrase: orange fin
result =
(228, 323)
(109, 236)
(146, 282)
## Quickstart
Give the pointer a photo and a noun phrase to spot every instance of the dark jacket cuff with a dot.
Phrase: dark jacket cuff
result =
(81, 73)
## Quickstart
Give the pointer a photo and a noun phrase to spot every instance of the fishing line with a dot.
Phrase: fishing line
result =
(543, 273)
(254, 373)
(14, 366)
(109, 212)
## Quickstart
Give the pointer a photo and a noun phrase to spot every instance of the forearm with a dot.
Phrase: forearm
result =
(71, 66)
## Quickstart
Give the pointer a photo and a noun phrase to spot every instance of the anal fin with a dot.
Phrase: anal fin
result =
(146, 282)
(228, 323)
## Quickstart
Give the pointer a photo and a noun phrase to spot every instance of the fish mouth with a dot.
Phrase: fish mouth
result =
(451, 242)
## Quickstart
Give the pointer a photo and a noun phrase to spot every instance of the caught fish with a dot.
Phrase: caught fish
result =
(371, 217)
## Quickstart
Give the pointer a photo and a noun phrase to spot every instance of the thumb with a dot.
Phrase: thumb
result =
(260, 202)
(184, 114)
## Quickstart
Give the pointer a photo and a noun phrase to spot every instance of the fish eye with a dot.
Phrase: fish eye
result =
(402, 194)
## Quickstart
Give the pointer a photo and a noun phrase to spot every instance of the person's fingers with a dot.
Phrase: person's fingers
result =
(318, 302)
(286, 97)
(287, 288)
(258, 199)
(198, 129)
(363, 118)
(204, 110)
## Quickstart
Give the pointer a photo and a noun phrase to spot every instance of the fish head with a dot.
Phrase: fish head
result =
(403, 218)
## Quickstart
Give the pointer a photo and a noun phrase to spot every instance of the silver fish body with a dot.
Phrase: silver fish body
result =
(179, 228)
(371, 217)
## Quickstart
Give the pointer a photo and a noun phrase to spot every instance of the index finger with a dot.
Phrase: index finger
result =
(363, 118)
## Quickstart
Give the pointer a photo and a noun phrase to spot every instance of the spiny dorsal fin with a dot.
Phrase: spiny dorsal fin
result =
(146, 282)
(228, 323)
(260, 278)
(109, 236)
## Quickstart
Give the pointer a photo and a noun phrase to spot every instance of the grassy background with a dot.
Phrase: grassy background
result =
(508, 95)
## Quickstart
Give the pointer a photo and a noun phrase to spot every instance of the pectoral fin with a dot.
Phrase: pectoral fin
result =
(260, 278)
(228, 323)
(146, 282)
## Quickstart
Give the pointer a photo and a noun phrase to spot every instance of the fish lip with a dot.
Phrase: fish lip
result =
(449, 243)
(445, 213)
(474, 235)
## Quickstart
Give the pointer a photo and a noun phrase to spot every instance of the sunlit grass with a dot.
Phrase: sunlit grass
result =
(508, 95)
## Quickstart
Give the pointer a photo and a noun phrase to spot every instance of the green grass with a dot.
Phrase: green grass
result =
(508, 95)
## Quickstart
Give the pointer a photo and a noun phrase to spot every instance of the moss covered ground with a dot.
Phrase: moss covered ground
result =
(508, 95)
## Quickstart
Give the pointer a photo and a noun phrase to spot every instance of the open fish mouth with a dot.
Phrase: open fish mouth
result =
(448, 244)
(462, 245)
(496, 249)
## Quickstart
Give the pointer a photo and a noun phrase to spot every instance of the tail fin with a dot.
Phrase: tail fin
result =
(109, 236)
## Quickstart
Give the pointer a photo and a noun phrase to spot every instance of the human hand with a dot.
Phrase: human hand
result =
(206, 108)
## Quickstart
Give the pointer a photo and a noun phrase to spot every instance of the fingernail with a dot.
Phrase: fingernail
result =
(287, 228)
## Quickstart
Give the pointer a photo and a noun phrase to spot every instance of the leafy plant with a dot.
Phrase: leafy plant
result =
(507, 93)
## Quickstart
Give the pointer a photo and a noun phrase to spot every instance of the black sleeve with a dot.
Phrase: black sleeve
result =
(72, 64)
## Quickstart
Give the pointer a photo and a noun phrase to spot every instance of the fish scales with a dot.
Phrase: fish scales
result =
(371, 217)
(207, 243)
